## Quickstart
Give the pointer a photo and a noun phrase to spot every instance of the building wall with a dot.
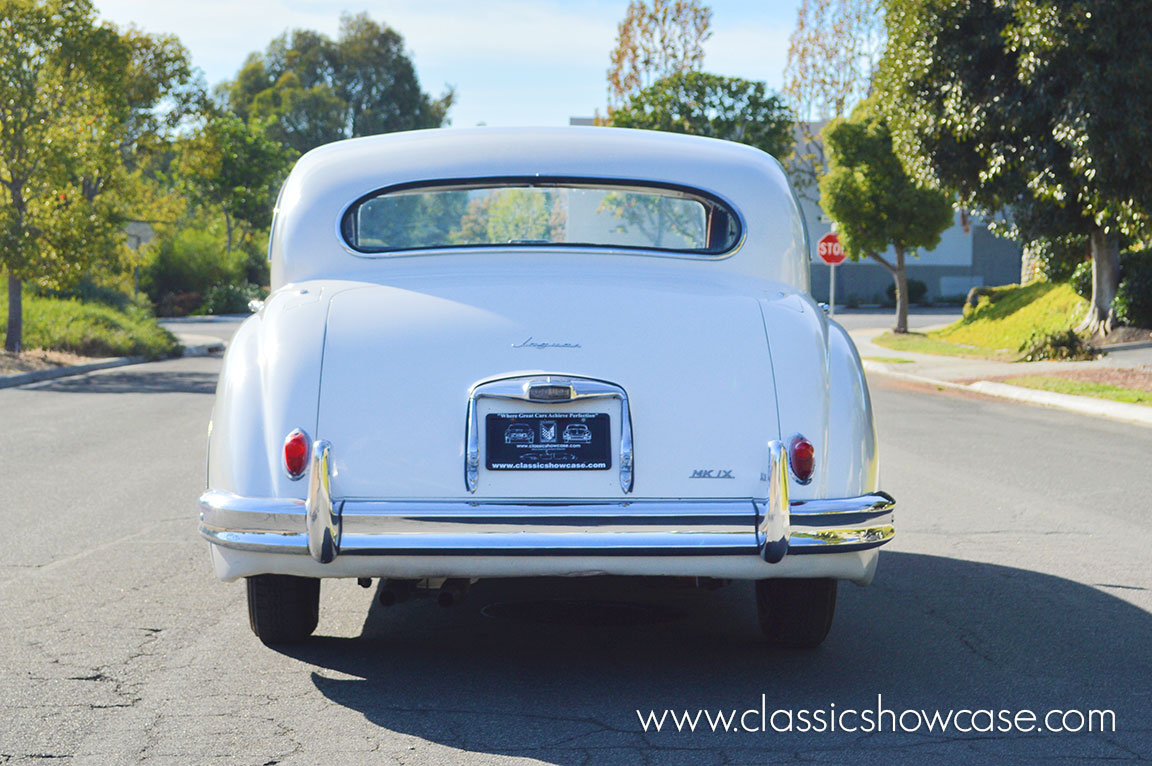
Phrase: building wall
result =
(968, 256)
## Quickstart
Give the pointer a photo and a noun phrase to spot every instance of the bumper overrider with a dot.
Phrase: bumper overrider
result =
(326, 527)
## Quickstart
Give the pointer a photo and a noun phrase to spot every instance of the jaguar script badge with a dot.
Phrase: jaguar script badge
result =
(530, 342)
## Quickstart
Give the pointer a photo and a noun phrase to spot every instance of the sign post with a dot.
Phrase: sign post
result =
(832, 253)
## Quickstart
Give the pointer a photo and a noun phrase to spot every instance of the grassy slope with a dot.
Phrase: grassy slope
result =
(999, 324)
(1083, 388)
(919, 343)
(88, 329)
(1006, 319)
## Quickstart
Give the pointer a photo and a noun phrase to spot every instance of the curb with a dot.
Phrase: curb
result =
(1085, 405)
(38, 376)
(1129, 346)
(24, 378)
(1132, 413)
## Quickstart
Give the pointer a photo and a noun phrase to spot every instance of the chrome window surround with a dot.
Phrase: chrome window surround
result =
(520, 389)
(620, 250)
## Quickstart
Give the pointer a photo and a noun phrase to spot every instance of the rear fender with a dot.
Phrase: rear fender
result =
(268, 386)
(797, 340)
(854, 465)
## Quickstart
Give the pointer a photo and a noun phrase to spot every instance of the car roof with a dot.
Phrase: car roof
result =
(329, 179)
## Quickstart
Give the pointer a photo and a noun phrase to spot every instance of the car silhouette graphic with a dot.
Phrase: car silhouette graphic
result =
(577, 432)
(519, 433)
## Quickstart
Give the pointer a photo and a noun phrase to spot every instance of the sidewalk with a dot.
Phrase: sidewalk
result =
(979, 375)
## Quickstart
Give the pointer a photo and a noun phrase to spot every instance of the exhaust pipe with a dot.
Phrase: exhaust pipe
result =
(392, 592)
(452, 591)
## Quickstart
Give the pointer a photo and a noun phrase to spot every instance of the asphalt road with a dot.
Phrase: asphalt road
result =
(918, 317)
(1019, 579)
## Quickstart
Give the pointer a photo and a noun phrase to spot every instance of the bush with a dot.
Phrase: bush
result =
(1081, 280)
(190, 261)
(90, 329)
(86, 291)
(916, 291)
(1133, 304)
(972, 299)
(1057, 258)
(229, 299)
(178, 304)
(1063, 344)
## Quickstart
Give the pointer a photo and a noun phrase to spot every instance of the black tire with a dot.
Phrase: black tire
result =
(283, 609)
(795, 613)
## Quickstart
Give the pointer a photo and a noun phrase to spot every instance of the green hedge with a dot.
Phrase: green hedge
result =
(89, 329)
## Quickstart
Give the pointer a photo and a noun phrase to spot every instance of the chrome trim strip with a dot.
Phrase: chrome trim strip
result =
(453, 527)
(519, 389)
(323, 520)
(774, 513)
(819, 541)
(658, 544)
(876, 502)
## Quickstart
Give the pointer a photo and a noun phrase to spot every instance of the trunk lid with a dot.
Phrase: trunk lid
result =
(400, 361)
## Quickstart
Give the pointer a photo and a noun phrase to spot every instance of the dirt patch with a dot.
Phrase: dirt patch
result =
(30, 361)
(1123, 335)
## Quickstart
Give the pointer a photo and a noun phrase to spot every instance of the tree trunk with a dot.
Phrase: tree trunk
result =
(15, 314)
(901, 277)
(1105, 280)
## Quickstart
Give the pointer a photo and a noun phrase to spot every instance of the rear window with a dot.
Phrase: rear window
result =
(531, 213)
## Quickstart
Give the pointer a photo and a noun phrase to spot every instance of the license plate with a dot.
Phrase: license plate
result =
(548, 441)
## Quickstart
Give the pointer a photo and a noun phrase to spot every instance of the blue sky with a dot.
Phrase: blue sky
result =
(512, 62)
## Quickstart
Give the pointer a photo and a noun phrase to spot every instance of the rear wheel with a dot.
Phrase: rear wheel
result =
(283, 609)
(795, 613)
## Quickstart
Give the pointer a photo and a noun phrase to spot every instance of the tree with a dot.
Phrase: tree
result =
(161, 92)
(874, 202)
(710, 105)
(315, 90)
(60, 107)
(656, 41)
(832, 53)
(235, 166)
(1038, 108)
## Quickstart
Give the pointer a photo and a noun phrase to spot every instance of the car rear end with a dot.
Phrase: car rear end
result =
(537, 403)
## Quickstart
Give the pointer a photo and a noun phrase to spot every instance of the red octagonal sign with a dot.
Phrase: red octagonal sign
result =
(830, 250)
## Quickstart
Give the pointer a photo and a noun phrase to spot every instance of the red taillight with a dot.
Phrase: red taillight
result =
(802, 456)
(295, 453)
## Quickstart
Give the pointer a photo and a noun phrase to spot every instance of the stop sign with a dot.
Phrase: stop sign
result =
(830, 250)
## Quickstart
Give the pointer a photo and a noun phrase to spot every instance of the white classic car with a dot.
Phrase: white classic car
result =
(540, 352)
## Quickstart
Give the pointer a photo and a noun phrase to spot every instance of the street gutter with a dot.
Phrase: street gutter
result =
(67, 371)
(1085, 405)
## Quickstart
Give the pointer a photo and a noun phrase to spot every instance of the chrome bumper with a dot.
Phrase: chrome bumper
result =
(327, 527)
